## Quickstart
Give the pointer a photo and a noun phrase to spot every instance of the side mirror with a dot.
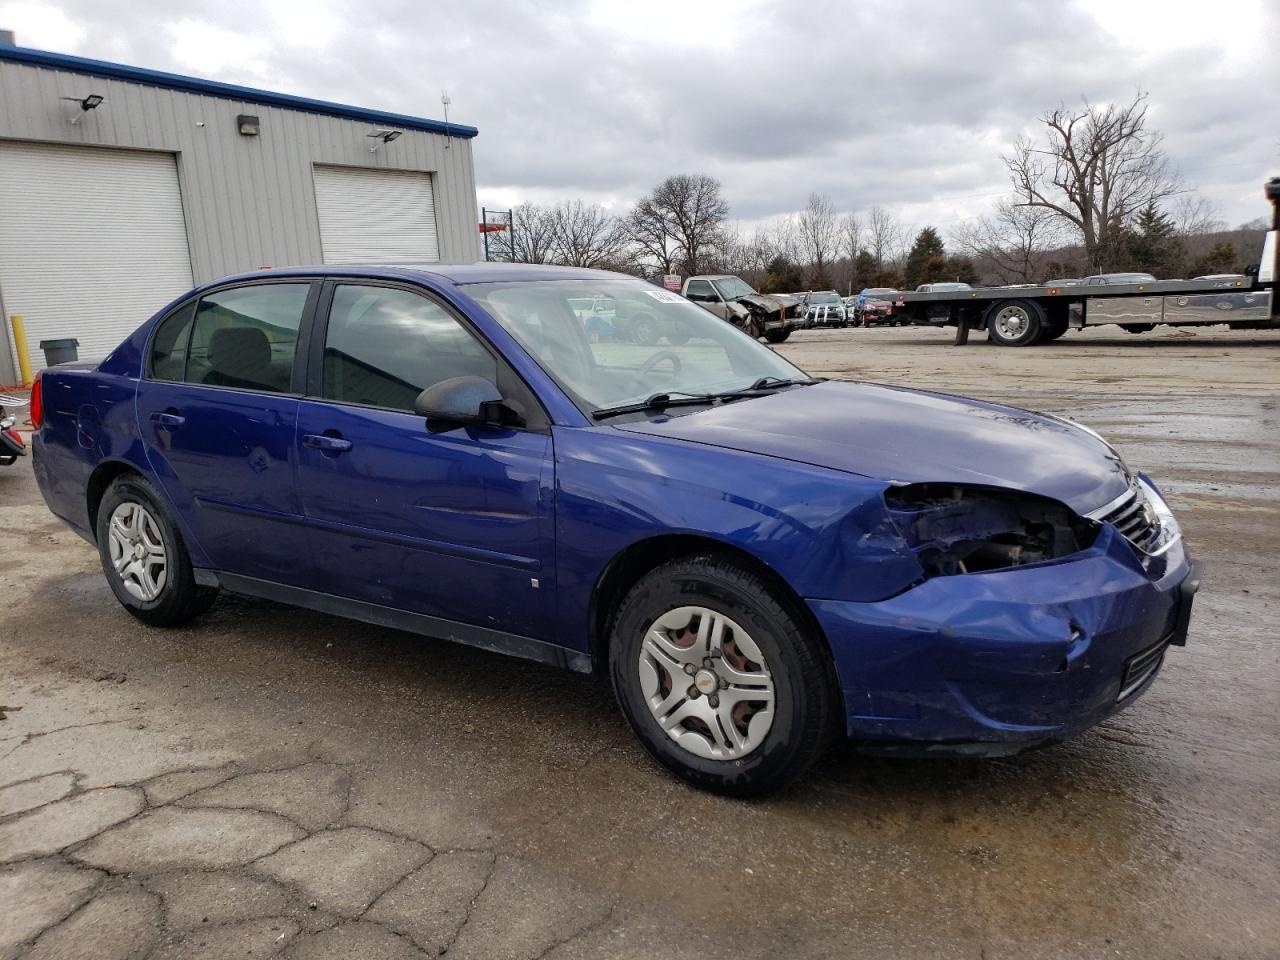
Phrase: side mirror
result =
(464, 400)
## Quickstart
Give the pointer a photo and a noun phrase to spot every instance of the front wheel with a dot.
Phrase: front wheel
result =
(777, 336)
(644, 330)
(723, 683)
(144, 558)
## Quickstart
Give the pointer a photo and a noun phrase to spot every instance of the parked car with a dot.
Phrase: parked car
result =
(942, 287)
(1115, 278)
(824, 308)
(758, 559)
(772, 316)
(875, 305)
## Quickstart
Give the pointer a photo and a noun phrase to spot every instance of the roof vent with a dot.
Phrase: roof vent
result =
(7, 39)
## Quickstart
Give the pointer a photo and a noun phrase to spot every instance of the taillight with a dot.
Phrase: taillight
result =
(37, 402)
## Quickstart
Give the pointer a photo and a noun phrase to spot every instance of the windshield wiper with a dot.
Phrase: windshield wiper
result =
(659, 401)
(769, 383)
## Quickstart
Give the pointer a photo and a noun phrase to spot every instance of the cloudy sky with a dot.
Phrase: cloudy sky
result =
(904, 104)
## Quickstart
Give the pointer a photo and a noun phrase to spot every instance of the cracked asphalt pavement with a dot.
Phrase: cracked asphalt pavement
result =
(270, 781)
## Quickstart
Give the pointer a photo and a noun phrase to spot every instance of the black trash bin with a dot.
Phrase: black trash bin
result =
(60, 351)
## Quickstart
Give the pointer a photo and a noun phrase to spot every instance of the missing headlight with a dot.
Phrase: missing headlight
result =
(959, 529)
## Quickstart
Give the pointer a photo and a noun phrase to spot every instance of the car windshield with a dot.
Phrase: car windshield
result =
(824, 298)
(732, 287)
(655, 342)
(877, 291)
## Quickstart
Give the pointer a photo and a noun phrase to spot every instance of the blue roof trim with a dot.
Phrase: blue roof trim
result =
(227, 91)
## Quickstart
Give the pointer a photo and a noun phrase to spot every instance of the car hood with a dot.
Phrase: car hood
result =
(767, 301)
(910, 436)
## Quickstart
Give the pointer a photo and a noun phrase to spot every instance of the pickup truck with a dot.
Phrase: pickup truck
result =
(759, 314)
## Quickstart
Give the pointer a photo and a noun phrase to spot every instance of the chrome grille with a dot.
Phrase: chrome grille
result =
(1132, 517)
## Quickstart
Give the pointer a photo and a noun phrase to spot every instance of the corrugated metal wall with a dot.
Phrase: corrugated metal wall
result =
(249, 201)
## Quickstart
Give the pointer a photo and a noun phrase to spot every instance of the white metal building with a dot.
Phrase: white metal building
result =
(122, 187)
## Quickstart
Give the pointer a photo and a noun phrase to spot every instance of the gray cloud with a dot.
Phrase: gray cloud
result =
(905, 104)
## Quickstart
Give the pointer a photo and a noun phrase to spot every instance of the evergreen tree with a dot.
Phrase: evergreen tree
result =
(782, 275)
(927, 260)
(1220, 259)
(1152, 244)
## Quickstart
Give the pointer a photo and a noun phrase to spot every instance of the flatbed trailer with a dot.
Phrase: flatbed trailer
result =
(1026, 315)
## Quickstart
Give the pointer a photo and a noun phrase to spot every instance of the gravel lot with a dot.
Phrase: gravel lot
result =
(272, 780)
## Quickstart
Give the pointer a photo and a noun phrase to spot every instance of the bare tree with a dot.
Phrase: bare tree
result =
(1194, 214)
(884, 236)
(586, 235)
(850, 247)
(1011, 243)
(533, 234)
(1095, 168)
(680, 221)
(819, 230)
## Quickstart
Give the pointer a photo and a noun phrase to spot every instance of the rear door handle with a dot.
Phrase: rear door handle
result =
(318, 441)
(168, 419)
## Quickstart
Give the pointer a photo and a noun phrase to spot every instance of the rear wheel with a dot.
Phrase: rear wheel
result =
(144, 558)
(724, 685)
(1015, 323)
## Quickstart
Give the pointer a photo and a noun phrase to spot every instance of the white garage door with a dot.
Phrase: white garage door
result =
(92, 242)
(376, 216)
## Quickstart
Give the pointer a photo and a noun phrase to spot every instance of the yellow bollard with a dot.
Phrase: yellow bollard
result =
(20, 345)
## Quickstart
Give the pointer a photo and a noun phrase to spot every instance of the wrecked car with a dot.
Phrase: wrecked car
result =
(772, 316)
(759, 560)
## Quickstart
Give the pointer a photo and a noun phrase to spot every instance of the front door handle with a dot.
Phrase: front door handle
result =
(325, 444)
(168, 419)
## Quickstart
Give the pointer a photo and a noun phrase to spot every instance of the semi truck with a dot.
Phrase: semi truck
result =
(1025, 315)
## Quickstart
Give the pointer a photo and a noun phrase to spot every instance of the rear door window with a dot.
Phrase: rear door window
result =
(384, 346)
(246, 337)
(169, 346)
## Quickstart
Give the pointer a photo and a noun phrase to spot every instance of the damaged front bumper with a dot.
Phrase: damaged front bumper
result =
(995, 662)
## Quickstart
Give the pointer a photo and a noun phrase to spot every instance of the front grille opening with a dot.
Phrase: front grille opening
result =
(1140, 667)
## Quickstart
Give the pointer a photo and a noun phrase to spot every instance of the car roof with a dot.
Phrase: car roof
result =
(458, 274)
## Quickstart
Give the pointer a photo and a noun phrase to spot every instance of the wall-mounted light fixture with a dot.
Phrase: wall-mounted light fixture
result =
(382, 136)
(91, 102)
(247, 124)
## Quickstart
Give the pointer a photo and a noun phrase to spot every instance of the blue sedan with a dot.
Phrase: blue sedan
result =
(760, 560)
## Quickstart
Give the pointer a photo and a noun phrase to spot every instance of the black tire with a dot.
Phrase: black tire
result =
(677, 334)
(180, 598)
(777, 336)
(644, 329)
(1052, 333)
(1029, 317)
(805, 709)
